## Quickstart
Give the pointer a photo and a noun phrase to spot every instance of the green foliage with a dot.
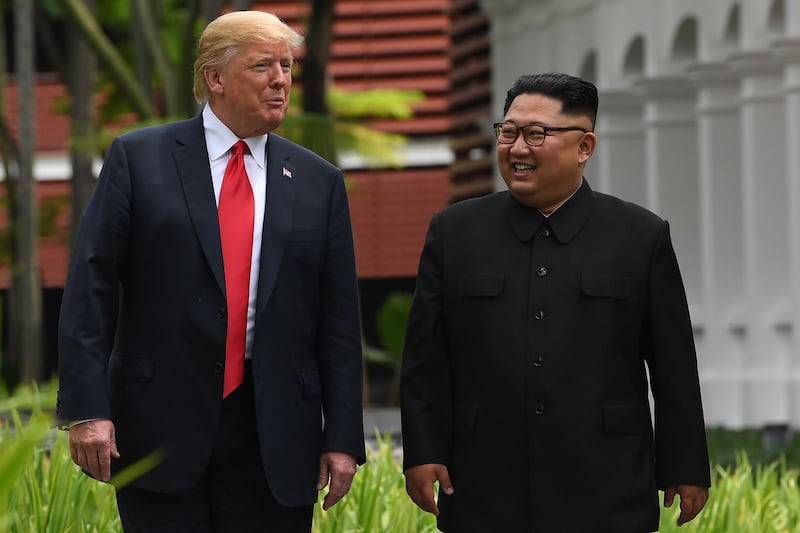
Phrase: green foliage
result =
(745, 499)
(392, 319)
(33, 397)
(346, 125)
(391, 322)
(41, 489)
(725, 445)
(377, 501)
(114, 15)
(52, 8)
(375, 103)
(48, 211)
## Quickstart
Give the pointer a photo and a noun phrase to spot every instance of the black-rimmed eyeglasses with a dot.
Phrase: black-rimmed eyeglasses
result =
(533, 134)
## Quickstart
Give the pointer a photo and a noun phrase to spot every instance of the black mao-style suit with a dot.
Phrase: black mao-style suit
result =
(143, 320)
(524, 367)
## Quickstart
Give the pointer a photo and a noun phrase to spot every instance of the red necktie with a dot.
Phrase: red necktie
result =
(236, 211)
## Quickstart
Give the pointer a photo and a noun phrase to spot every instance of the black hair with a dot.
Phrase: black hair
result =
(577, 96)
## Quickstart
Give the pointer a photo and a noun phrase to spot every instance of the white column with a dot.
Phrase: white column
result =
(672, 188)
(721, 356)
(766, 237)
(618, 166)
(506, 38)
(788, 51)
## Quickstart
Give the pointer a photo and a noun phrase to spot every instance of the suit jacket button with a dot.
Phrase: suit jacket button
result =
(219, 366)
(538, 362)
(539, 409)
(538, 315)
(221, 313)
(541, 272)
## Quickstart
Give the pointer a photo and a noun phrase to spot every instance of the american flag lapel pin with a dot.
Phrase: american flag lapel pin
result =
(287, 172)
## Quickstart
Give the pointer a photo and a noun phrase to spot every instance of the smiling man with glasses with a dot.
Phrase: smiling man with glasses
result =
(537, 315)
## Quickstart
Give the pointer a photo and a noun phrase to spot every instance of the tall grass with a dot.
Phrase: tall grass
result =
(377, 501)
(745, 499)
(42, 491)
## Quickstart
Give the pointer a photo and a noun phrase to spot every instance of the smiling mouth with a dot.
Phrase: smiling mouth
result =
(522, 167)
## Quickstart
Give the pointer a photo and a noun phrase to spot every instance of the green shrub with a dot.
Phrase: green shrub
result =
(377, 501)
(745, 499)
(42, 491)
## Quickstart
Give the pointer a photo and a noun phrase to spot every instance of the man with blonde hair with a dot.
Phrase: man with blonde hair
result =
(210, 315)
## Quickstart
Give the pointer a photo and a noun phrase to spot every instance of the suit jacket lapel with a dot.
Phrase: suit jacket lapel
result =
(191, 161)
(277, 217)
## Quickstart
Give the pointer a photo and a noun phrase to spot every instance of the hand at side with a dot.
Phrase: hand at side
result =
(692, 497)
(419, 485)
(92, 445)
(338, 468)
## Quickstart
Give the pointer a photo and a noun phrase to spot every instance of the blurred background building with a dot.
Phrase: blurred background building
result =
(438, 47)
(699, 121)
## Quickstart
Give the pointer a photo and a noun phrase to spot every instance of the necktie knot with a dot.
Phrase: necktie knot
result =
(239, 148)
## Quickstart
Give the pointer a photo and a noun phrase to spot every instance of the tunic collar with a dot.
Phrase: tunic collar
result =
(565, 222)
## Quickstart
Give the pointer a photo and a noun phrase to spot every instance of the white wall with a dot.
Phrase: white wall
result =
(699, 121)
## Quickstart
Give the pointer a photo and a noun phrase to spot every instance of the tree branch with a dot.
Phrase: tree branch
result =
(85, 22)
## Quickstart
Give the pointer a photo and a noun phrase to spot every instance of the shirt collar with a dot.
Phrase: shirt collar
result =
(219, 138)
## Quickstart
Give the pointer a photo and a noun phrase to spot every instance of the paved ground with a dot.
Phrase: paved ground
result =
(381, 421)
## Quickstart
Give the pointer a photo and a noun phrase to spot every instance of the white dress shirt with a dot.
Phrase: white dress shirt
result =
(219, 140)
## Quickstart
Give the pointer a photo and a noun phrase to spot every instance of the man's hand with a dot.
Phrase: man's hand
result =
(338, 468)
(693, 498)
(92, 445)
(419, 485)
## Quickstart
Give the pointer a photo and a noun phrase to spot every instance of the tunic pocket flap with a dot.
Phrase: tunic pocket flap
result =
(481, 285)
(626, 420)
(606, 285)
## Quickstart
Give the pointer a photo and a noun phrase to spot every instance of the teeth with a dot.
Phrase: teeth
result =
(523, 166)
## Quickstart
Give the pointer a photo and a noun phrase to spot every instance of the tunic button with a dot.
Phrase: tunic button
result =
(538, 315)
(542, 272)
(540, 409)
(539, 362)
(546, 232)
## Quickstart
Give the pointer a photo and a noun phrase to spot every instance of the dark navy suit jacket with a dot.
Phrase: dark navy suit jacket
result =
(143, 320)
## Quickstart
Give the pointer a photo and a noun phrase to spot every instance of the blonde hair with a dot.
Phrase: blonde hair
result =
(221, 39)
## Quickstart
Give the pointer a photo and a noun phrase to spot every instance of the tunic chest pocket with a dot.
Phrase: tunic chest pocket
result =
(477, 285)
(606, 285)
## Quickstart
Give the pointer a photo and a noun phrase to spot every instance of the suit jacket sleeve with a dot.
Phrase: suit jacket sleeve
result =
(90, 302)
(339, 339)
(425, 391)
(681, 449)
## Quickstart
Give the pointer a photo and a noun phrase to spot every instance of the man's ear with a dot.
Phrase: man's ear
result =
(213, 78)
(586, 146)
